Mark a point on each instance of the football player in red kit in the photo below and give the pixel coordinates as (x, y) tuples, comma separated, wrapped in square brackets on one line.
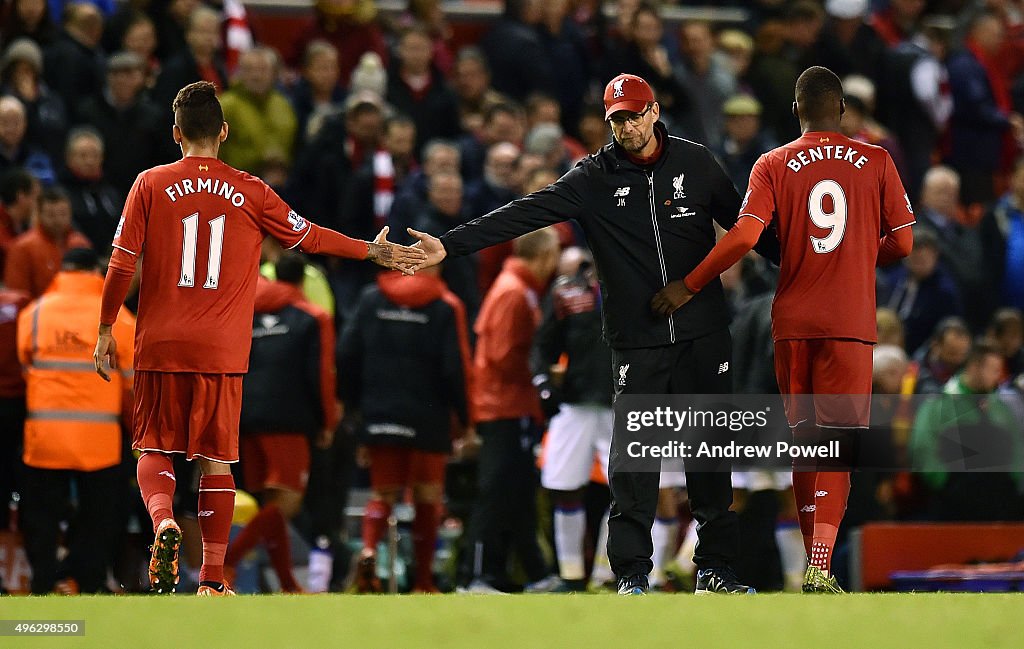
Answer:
[(196, 227), (830, 198)]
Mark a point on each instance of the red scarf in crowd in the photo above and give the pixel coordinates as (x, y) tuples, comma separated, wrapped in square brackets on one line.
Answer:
[(383, 188)]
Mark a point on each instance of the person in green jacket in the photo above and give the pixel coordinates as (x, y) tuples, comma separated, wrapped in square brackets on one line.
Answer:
[(969, 415), (263, 123)]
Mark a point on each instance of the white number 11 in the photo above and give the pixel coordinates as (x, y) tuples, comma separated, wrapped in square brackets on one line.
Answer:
[(188, 251)]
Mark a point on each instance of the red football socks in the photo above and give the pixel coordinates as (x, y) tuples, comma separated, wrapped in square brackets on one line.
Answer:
[(831, 490), (216, 508), (155, 473), (269, 526), (375, 524), (424, 539)]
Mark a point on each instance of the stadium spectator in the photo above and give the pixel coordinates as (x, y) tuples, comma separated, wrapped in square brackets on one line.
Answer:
[(943, 357), (542, 109), (496, 187), (367, 204), (134, 129), (288, 400), (201, 60), (960, 245), (317, 95), (263, 124), (897, 22), (547, 141), (969, 412), (73, 429), (921, 292), (444, 210), (707, 76), (95, 204), (21, 75), (439, 156), (564, 44), (916, 102), (592, 129), (744, 141), (515, 52), (508, 419), (416, 88), (1006, 333), (28, 18), (348, 25), (431, 15), (15, 149), (324, 168), (1002, 238), (502, 123), (34, 258), (74, 60), (771, 77), (19, 199), (471, 81), (406, 411), (847, 44), (139, 37), (983, 126), (576, 397)]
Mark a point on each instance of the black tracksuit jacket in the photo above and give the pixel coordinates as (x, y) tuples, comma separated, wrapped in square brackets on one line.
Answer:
[(647, 226)]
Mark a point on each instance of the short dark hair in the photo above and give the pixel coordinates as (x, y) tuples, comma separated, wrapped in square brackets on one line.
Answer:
[(290, 268), (53, 194), (80, 259), (818, 91), (197, 111), (15, 181), (950, 324), (979, 350), (1005, 319)]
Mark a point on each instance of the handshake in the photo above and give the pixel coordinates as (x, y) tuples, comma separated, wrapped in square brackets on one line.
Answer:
[(427, 251)]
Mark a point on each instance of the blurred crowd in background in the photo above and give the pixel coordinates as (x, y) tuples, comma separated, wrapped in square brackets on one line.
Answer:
[(362, 118)]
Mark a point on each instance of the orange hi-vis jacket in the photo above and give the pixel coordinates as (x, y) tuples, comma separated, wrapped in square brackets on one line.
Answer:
[(74, 416)]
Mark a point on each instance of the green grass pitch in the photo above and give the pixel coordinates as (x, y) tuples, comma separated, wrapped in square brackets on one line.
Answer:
[(531, 621)]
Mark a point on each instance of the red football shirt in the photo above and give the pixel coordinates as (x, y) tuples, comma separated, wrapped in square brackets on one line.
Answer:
[(832, 198), (197, 225)]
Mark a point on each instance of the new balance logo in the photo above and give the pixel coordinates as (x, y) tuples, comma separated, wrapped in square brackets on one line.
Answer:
[(168, 474), (808, 509), (820, 494), (621, 191), (723, 368), (205, 512)]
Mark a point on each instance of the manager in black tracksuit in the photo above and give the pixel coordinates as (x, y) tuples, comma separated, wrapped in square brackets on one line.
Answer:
[(646, 203)]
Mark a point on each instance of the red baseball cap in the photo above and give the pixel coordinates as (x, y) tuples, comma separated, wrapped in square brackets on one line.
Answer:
[(626, 92)]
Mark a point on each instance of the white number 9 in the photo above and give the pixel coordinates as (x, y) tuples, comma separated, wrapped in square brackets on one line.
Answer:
[(834, 221)]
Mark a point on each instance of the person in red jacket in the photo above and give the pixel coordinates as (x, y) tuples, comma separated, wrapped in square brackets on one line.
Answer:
[(34, 257), (508, 416)]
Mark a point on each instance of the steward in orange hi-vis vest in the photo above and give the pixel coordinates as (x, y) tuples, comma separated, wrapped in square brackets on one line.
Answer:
[(73, 421)]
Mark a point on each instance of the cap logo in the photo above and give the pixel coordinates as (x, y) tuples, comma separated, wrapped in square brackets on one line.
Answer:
[(617, 86)]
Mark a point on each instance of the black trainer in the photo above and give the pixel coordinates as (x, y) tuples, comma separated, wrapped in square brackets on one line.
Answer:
[(634, 585), (720, 580)]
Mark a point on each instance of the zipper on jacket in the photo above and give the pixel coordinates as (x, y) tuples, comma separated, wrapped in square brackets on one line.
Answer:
[(661, 254)]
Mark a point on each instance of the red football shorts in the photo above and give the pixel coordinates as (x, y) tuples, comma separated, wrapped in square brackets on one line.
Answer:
[(275, 460), (187, 412), (836, 372), (400, 466)]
